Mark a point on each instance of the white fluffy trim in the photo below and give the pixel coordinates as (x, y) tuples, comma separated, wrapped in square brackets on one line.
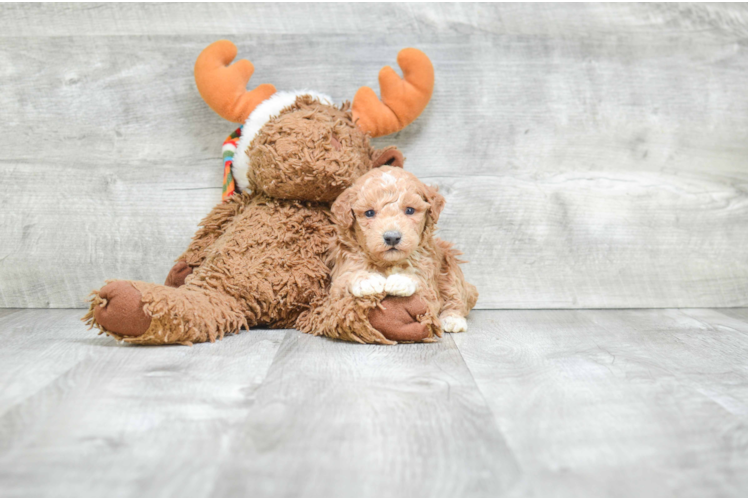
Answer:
[(267, 109)]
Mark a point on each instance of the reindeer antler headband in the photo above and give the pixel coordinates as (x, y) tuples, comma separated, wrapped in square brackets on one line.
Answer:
[(223, 88)]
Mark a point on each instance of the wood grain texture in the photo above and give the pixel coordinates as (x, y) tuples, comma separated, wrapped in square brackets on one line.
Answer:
[(546, 403), (347, 420), (593, 155), (8, 312), (580, 19), (87, 417), (81, 415), (617, 403)]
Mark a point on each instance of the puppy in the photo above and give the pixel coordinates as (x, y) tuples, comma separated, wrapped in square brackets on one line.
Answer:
[(385, 223)]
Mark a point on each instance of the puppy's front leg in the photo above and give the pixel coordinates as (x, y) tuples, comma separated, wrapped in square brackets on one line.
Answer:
[(400, 285), (367, 284)]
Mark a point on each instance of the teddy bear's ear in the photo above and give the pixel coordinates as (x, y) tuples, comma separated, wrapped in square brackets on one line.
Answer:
[(342, 209), (436, 200), (388, 156)]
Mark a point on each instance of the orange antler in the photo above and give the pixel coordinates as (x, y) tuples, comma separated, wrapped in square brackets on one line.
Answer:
[(402, 99), (224, 87)]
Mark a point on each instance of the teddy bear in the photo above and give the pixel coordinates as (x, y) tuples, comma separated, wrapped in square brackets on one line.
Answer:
[(259, 257)]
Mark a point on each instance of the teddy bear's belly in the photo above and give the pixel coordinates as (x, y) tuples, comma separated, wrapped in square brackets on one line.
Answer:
[(271, 258)]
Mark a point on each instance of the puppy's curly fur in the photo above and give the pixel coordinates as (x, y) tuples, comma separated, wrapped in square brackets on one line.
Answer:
[(385, 244)]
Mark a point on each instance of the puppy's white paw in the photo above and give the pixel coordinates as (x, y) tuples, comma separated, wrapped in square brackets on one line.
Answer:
[(453, 324), (371, 285), (400, 285)]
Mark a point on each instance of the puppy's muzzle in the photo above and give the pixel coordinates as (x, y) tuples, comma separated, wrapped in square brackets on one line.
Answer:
[(392, 238)]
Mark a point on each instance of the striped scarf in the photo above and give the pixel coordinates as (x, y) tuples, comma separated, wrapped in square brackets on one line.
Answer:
[(229, 149)]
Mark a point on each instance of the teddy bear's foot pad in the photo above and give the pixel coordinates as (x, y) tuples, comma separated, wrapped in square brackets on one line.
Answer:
[(397, 319), (121, 311)]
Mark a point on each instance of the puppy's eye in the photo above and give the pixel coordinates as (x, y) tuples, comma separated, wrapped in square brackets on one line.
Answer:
[(410, 211), (369, 213)]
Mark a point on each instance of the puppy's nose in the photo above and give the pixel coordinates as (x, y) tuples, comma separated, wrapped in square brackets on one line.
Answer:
[(392, 238)]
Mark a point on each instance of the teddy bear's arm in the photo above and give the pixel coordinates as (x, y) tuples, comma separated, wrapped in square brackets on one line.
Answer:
[(340, 315), (212, 227), (368, 318)]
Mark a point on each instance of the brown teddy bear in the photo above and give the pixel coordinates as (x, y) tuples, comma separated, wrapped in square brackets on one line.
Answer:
[(259, 258)]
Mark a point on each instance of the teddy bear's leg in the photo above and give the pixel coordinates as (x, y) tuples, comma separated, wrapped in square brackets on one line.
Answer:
[(118, 307), (144, 313), (371, 319), (211, 228)]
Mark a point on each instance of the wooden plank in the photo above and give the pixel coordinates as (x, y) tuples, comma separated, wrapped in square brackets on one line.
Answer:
[(740, 314), (599, 240), (8, 312), (38, 348), (565, 403), (81, 415), (340, 419), (592, 155), (111, 195), (617, 403), (568, 20), (328, 418)]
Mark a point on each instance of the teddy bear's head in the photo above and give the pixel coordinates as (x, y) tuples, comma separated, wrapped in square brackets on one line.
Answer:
[(298, 145), (310, 151)]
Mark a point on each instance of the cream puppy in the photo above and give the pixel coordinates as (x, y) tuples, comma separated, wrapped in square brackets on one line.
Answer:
[(385, 223)]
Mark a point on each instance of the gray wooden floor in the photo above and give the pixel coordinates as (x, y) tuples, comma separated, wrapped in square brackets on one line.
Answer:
[(544, 402)]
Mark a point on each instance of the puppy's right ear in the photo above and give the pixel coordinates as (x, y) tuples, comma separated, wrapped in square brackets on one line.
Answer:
[(342, 209)]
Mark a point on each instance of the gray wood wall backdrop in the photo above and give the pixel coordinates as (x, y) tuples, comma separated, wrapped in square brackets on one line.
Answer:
[(591, 155)]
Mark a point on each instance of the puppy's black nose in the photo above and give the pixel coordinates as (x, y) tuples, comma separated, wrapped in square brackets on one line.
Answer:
[(392, 238)]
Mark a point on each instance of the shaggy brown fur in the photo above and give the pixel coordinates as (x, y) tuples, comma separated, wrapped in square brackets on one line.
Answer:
[(390, 201), (310, 154), (259, 259)]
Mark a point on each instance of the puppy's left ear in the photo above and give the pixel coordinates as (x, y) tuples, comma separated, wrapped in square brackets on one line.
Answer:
[(388, 156), (436, 200), (342, 208)]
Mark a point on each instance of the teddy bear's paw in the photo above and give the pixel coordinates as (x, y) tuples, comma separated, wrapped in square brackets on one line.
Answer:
[(370, 285), (121, 310), (397, 319), (400, 285), (178, 274), (453, 324)]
